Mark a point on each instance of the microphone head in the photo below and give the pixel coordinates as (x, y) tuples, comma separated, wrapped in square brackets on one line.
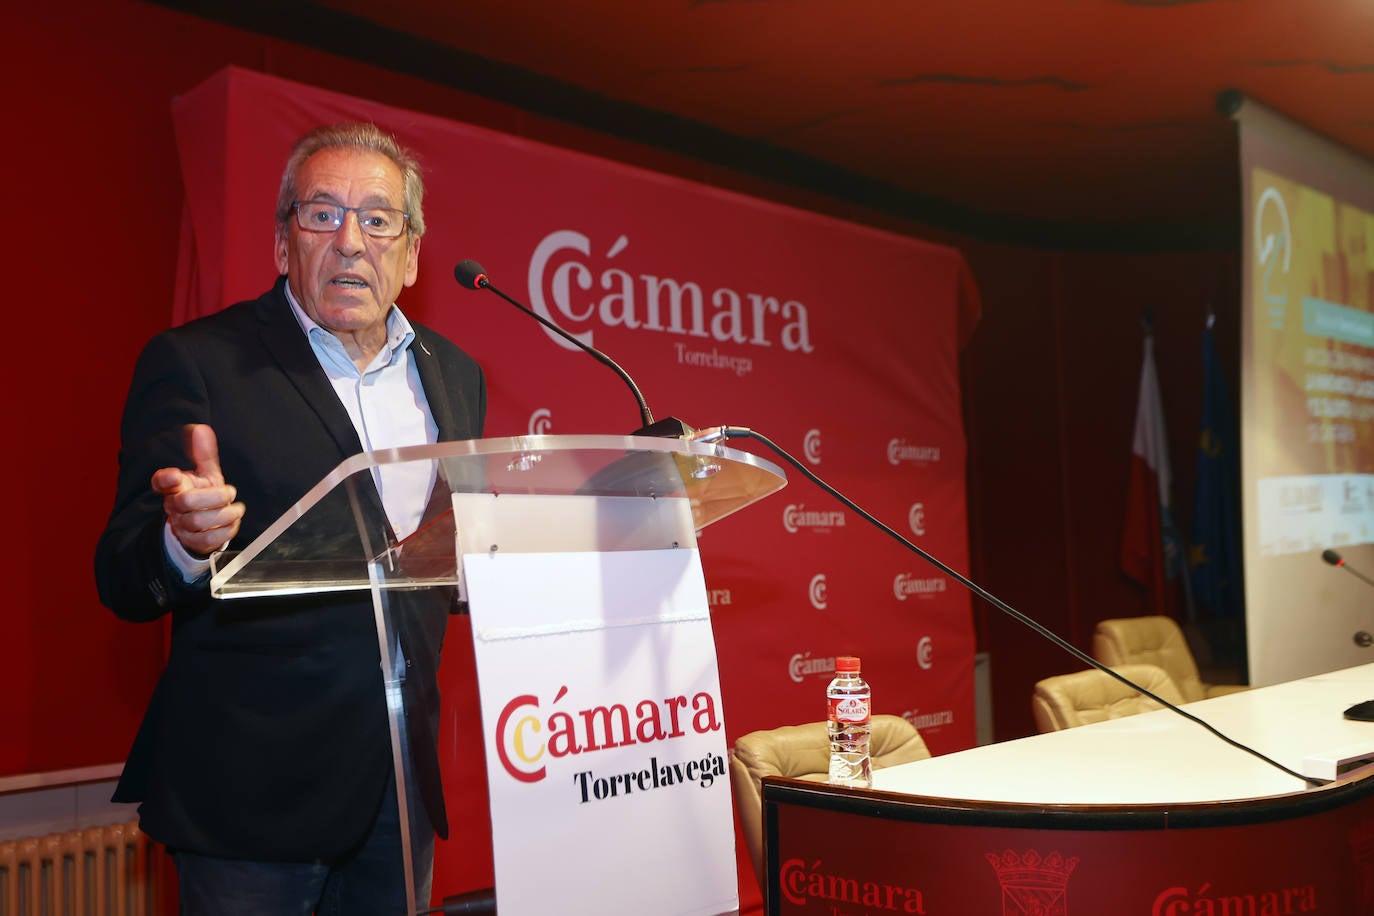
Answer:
[(1332, 557), (470, 274)]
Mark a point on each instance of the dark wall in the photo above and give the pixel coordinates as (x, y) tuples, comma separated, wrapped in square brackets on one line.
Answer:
[(1050, 374), (1050, 385)]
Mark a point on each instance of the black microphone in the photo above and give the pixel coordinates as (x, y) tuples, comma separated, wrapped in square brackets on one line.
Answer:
[(470, 275), (1335, 559), (1360, 712)]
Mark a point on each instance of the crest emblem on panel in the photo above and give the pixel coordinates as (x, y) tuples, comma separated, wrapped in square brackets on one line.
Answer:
[(1032, 884)]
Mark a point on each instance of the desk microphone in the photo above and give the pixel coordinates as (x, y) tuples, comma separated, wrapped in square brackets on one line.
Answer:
[(470, 275), (1335, 559), (1360, 712)]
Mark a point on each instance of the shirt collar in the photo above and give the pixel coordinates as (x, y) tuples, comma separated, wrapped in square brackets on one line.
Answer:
[(399, 332)]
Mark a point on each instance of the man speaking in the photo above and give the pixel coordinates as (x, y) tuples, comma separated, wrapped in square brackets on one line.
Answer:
[(264, 759)]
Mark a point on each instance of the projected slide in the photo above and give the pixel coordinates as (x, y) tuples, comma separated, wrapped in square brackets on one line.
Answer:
[(1307, 399), (1312, 367)]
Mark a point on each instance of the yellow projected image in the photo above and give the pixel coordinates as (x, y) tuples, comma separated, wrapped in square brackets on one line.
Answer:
[(1314, 328), (1312, 315)]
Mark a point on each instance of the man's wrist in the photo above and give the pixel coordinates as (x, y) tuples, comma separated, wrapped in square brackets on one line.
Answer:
[(192, 566)]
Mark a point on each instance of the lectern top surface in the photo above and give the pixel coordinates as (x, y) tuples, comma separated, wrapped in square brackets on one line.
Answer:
[(327, 540)]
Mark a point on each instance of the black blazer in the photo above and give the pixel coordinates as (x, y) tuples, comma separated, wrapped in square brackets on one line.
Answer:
[(266, 737)]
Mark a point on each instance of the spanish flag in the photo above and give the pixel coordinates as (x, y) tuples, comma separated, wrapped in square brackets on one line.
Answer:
[(1150, 551)]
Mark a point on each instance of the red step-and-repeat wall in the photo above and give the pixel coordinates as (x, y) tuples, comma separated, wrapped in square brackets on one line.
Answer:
[(838, 342)]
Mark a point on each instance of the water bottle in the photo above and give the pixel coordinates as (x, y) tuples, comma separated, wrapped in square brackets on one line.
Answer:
[(850, 702)]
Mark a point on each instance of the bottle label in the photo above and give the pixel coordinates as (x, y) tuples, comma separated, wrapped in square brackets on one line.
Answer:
[(849, 709)]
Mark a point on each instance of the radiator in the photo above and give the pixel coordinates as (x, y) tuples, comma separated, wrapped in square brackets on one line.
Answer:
[(98, 871)]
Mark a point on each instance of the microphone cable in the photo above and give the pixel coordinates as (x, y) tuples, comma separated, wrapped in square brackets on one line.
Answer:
[(715, 434)]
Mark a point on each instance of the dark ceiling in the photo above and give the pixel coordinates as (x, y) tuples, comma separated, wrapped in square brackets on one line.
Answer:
[(1058, 122)]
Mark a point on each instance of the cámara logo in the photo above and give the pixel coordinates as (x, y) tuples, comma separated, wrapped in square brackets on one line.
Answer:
[(800, 665), (925, 653), (811, 446), (541, 421), (929, 721), (906, 585), (525, 734), (916, 518), (569, 291), (1287, 901), (796, 517), (801, 884), (898, 451), (816, 591)]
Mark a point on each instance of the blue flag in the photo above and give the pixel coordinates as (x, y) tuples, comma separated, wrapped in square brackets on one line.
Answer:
[(1214, 552)]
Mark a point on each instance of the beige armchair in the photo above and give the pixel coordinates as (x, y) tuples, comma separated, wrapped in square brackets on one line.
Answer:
[(1155, 640), (1084, 697), (803, 752)]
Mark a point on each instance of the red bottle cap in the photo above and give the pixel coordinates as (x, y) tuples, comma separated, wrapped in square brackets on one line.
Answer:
[(847, 664)]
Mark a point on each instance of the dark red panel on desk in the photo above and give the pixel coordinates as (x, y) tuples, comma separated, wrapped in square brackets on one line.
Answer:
[(843, 852)]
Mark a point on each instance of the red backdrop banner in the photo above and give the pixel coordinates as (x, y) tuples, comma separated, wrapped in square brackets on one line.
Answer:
[(838, 342)]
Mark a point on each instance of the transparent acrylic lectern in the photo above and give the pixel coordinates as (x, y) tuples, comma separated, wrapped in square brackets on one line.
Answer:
[(536, 494)]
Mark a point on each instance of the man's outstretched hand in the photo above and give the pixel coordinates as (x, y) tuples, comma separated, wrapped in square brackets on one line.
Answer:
[(199, 505)]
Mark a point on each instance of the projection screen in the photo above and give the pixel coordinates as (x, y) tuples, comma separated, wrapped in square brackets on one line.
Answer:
[(1307, 396)]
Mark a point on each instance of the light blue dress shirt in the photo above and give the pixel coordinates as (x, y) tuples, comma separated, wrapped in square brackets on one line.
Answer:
[(387, 405)]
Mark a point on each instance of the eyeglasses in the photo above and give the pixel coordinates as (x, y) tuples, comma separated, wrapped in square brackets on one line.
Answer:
[(322, 216)]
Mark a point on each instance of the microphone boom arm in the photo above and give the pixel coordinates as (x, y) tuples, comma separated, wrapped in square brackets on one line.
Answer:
[(470, 274)]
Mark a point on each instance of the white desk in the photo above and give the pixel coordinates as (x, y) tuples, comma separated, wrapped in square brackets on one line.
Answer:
[(1157, 757), (1149, 814)]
